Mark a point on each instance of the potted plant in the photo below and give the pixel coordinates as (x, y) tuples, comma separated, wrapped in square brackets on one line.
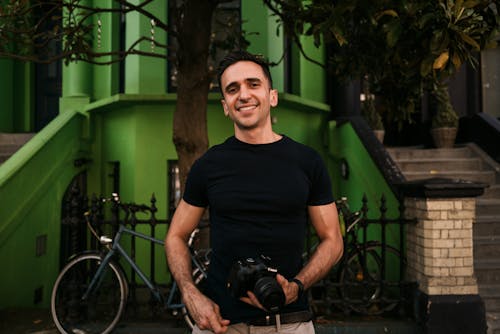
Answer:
[(456, 30), (403, 47), (444, 125), (370, 113)]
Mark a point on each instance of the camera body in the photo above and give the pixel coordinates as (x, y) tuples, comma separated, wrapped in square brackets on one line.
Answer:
[(256, 276)]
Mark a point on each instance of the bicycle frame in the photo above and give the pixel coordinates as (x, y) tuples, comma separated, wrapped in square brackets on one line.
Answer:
[(117, 248)]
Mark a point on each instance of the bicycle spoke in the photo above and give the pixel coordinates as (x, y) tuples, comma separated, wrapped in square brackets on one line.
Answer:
[(99, 311)]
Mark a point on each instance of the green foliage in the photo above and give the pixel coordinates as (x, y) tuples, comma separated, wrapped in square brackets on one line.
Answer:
[(369, 109), (445, 116), (371, 114), (403, 46)]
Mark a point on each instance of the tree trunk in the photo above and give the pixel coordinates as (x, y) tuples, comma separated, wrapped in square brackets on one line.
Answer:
[(190, 135)]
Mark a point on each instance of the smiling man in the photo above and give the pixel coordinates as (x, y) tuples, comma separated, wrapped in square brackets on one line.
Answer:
[(260, 187)]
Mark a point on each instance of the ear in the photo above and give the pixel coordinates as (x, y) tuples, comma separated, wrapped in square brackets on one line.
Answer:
[(225, 107), (273, 97)]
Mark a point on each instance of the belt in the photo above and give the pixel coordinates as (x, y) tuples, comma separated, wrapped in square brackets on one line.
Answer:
[(285, 318)]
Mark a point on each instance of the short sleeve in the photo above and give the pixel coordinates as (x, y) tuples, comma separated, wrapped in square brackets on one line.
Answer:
[(321, 186), (195, 192)]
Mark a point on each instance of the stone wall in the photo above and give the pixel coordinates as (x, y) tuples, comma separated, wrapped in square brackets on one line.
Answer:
[(439, 245)]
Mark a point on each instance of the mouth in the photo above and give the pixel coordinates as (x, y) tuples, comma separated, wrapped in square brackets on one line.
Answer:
[(246, 108)]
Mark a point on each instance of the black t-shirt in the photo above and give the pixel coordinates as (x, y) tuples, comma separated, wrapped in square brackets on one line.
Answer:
[(258, 196)]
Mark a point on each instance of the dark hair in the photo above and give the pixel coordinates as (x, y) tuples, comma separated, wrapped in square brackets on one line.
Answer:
[(242, 55)]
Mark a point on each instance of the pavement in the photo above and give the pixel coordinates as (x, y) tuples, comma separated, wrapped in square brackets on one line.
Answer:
[(39, 321)]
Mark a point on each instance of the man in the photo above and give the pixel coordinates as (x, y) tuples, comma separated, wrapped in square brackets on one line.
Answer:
[(260, 188)]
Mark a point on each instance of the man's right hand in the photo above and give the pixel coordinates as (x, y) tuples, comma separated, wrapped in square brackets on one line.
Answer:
[(205, 312)]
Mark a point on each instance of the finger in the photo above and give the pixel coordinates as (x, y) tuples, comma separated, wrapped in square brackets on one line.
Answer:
[(288, 289), (222, 321), (254, 301), (216, 326), (281, 280)]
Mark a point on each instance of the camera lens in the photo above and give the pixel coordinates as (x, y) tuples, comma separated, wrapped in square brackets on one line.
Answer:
[(269, 293)]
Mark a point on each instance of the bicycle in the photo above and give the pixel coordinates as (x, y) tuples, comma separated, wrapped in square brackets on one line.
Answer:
[(90, 293), (358, 281)]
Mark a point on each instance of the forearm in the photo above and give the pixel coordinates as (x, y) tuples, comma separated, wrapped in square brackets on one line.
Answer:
[(179, 263), (326, 255)]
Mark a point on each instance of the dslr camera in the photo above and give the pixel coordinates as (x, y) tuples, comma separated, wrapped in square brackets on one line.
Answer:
[(256, 276)]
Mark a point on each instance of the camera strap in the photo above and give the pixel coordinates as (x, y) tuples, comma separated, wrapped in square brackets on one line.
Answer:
[(278, 322)]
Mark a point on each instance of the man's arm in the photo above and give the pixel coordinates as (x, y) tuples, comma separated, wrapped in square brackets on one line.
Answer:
[(204, 311), (325, 221)]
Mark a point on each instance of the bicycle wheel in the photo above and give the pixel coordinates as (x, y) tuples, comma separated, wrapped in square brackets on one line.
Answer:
[(101, 309), (361, 288)]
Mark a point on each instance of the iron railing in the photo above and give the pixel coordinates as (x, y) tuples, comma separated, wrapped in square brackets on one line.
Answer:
[(369, 279)]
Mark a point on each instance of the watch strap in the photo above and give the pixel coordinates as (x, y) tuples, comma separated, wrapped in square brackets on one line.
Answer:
[(299, 284)]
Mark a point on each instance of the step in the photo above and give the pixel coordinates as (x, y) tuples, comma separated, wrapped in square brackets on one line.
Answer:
[(427, 165), (15, 138), (488, 207), (4, 157), (486, 225), (487, 177), (413, 153), (487, 247), (11, 142), (490, 294), (493, 191), (487, 271), (493, 322)]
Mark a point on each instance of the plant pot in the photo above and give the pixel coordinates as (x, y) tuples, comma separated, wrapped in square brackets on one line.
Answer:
[(379, 134), (444, 137)]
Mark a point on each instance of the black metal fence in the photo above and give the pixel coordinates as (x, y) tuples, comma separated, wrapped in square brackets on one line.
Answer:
[(369, 279)]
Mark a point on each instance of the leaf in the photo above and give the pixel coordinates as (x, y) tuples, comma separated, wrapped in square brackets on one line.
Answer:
[(439, 41), (339, 36), (441, 61), (471, 3), (389, 12), (458, 8), (393, 33), (457, 62), (469, 40), (426, 66)]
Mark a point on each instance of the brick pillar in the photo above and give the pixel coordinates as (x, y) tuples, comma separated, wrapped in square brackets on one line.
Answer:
[(440, 255), (439, 245)]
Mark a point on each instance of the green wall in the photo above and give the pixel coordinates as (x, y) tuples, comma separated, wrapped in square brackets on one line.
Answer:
[(32, 184), (136, 130), (363, 178)]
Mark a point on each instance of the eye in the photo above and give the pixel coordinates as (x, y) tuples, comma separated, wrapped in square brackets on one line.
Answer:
[(231, 90), (254, 84)]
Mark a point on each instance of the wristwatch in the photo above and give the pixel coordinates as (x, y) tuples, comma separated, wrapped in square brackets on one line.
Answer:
[(300, 285)]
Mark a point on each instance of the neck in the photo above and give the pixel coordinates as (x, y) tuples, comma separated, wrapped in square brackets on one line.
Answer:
[(257, 136)]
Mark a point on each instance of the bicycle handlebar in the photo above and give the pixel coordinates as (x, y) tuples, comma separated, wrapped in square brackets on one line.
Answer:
[(350, 218)]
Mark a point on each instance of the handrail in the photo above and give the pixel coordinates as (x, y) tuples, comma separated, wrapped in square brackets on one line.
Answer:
[(35, 144), (387, 167)]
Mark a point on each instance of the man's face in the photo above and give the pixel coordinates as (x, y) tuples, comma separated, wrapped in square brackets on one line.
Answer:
[(247, 96)]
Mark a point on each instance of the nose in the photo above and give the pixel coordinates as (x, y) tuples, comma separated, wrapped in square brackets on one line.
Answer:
[(244, 93)]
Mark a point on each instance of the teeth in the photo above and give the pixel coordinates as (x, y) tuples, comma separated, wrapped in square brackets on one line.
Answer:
[(246, 108)]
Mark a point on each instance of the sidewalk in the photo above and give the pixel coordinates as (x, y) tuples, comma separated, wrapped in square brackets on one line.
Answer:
[(39, 321)]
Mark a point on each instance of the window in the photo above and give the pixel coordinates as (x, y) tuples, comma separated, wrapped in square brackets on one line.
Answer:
[(226, 33)]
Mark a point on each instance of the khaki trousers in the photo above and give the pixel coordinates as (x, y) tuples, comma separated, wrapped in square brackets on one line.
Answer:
[(295, 328)]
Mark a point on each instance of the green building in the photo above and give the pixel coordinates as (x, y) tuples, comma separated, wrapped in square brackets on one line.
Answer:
[(90, 123)]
